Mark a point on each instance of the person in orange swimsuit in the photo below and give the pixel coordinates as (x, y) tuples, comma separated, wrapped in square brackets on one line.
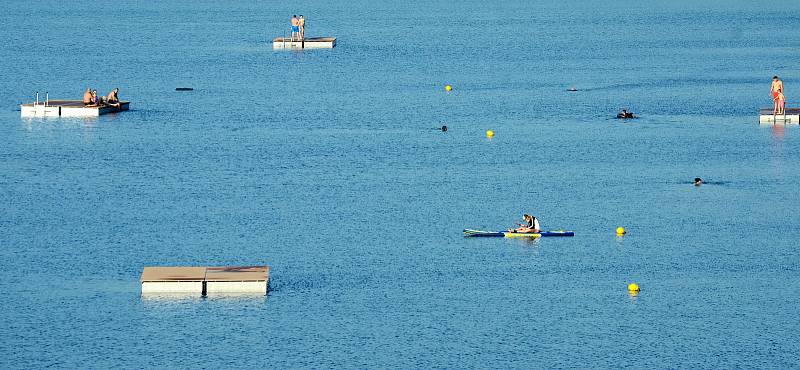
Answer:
[(775, 90)]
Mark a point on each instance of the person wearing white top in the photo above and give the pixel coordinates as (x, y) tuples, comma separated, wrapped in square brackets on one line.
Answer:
[(531, 225)]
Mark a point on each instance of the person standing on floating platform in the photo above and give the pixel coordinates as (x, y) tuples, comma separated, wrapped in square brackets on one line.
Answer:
[(775, 90), (531, 225), (301, 24), (295, 27), (781, 103)]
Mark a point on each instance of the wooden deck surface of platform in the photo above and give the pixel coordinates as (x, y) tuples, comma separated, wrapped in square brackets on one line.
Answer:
[(789, 111), (226, 273), (308, 39), (243, 273), (71, 104), (173, 274)]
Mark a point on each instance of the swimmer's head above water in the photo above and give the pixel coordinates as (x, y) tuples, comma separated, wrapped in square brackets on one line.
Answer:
[(698, 181)]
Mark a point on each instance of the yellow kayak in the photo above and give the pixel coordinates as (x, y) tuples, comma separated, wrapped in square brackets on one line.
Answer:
[(521, 235)]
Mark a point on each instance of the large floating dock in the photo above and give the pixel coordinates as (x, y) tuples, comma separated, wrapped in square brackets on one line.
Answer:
[(307, 43), (790, 116), (203, 281), (70, 108)]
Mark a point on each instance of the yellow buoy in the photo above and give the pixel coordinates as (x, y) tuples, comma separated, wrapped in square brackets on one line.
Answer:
[(620, 231), (633, 288), (489, 133), (448, 88)]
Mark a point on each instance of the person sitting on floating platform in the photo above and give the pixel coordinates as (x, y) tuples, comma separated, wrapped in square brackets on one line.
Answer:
[(624, 114), (112, 98), (87, 97), (95, 101), (531, 225), (99, 100)]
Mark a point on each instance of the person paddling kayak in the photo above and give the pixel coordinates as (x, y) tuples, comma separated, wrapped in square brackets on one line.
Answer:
[(531, 225)]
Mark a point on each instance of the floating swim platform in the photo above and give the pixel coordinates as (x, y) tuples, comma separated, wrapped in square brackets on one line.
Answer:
[(790, 116), (69, 108), (307, 43), (203, 281), (506, 234)]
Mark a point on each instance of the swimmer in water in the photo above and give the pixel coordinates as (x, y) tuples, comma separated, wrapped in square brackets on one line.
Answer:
[(698, 181), (531, 225)]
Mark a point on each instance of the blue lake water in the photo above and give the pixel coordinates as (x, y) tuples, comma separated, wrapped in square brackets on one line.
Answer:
[(325, 165)]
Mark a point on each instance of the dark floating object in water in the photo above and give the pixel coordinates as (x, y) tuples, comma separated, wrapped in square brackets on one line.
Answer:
[(625, 114), (184, 89), (573, 88), (444, 129), (698, 181)]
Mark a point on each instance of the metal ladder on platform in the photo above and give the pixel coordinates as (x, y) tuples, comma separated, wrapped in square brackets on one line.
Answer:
[(783, 119)]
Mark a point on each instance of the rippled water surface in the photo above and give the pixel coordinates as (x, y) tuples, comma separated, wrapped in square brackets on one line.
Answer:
[(326, 166)]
